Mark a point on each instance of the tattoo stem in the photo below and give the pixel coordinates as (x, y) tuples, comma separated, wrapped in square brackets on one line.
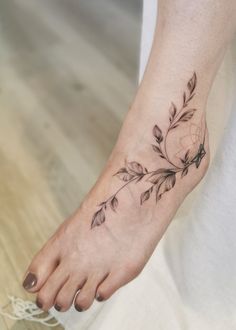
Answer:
[(117, 192)]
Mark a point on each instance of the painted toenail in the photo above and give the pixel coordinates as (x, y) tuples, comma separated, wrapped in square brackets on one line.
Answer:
[(39, 304), (30, 281), (98, 297), (78, 308), (57, 307)]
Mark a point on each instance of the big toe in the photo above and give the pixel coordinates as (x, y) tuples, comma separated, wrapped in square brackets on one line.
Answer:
[(42, 265)]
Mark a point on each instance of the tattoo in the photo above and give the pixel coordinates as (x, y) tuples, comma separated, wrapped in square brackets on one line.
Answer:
[(162, 179)]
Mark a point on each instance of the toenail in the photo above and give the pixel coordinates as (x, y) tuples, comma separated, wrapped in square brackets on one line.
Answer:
[(98, 297), (39, 304), (30, 281), (78, 308), (57, 307)]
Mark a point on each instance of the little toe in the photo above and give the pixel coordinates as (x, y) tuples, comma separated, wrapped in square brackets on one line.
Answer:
[(67, 293), (86, 296), (47, 294), (39, 270)]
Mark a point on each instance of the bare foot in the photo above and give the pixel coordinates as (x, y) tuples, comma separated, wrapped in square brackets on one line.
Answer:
[(159, 158)]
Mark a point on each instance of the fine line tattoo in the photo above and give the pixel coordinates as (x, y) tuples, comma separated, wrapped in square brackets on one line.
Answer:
[(162, 179)]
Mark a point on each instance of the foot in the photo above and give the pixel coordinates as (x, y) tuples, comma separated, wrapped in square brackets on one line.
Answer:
[(158, 159)]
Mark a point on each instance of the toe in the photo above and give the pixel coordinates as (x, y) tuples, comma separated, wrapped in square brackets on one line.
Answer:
[(41, 267), (67, 293), (86, 296), (47, 294), (110, 285)]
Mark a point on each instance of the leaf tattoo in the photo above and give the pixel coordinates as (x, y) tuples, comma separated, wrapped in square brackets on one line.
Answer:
[(114, 203), (98, 218), (192, 83), (191, 87), (145, 195), (157, 134), (124, 175), (135, 168), (187, 115), (172, 111), (161, 180)]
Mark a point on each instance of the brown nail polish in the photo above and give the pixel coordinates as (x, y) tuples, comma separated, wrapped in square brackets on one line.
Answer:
[(57, 307), (39, 304), (99, 298), (30, 281), (78, 308)]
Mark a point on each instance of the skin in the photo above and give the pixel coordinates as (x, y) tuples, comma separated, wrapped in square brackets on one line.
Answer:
[(191, 36)]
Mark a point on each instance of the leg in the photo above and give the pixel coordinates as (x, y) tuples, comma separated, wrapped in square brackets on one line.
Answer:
[(161, 154)]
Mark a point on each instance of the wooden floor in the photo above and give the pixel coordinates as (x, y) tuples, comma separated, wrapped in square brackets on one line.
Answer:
[(68, 72)]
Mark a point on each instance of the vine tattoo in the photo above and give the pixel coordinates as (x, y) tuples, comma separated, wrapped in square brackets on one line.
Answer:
[(162, 179)]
